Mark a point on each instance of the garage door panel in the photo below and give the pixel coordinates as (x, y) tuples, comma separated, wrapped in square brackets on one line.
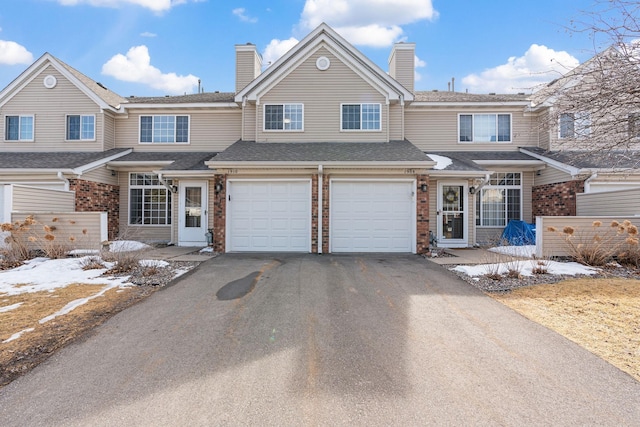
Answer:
[(372, 216), (279, 214)]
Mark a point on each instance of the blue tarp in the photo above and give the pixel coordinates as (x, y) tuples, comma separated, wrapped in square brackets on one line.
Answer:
[(519, 233)]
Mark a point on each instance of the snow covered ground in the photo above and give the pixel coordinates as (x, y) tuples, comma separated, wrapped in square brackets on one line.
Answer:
[(524, 265)]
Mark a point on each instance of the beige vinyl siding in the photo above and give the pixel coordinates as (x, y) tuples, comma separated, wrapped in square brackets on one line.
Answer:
[(75, 230), (102, 175), (621, 202), (47, 179), (551, 243), (551, 175), (33, 199), (396, 122), (109, 131), (322, 93), (143, 233), (247, 66), (209, 130), (50, 108), (402, 66), (436, 129), (249, 124), (543, 132)]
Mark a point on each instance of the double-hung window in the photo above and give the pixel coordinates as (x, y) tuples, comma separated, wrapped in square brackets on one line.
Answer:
[(18, 128), (360, 117), (164, 129), (81, 128), (574, 125), (288, 117), (484, 128), (149, 200), (500, 200)]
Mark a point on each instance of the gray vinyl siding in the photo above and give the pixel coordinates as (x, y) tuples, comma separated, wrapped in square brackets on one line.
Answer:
[(621, 202), (211, 130), (436, 129), (50, 108), (322, 93), (551, 175), (143, 233), (32, 199)]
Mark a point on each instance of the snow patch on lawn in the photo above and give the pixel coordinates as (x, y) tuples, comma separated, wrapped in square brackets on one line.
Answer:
[(526, 267), (527, 251), (127, 246), (75, 304), (153, 263), (10, 307), (17, 335)]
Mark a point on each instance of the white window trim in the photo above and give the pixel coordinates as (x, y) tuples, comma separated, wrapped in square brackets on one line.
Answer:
[(264, 114), (505, 187), (20, 116), (66, 130), (510, 141), (175, 130), (143, 187), (361, 104)]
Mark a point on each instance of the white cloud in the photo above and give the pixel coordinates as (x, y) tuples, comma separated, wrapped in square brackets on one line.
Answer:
[(276, 48), (376, 23), (154, 5), (240, 12), (419, 63), (11, 53), (136, 67), (148, 34), (537, 66)]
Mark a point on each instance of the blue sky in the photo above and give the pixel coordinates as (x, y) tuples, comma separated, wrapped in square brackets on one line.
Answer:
[(159, 47)]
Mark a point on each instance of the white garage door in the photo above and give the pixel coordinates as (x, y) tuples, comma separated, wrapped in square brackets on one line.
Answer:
[(269, 216), (372, 216)]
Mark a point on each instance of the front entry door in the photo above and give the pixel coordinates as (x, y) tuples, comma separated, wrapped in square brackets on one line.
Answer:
[(192, 214), (452, 214)]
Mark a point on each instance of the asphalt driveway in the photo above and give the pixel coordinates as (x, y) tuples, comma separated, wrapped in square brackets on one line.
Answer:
[(321, 340)]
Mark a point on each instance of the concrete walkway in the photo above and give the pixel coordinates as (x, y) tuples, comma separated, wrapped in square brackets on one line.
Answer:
[(177, 253), (467, 256), (331, 340)]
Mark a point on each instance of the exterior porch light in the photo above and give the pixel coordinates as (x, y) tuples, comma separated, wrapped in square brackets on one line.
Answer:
[(472, 190), (424, 188), (217, 188)]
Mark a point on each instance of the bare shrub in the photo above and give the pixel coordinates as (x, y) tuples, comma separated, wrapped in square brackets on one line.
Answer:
[(126, 257), (92, 263), (595, 246), (540, 266)]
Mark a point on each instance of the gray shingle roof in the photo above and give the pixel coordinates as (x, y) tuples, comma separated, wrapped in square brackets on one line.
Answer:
[(108, 96), (180, 161), (608, 159), (53, 160), (437, 96), (248, 151), (207, 97)]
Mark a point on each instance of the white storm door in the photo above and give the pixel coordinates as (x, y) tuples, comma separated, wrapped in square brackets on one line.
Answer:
[(452, 219), (269, 216), (372, 216), (192, 213)]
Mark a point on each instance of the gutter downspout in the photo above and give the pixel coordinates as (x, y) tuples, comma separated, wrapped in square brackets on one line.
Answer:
[(320, 180), (587, 183), (63, 179), (168, 187)]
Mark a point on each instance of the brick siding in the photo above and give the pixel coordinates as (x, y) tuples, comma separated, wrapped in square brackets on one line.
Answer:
[(556, 199), (219, 214), (422, 215), (98, 197)]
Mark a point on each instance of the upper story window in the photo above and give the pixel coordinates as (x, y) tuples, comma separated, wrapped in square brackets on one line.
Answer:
[(18, 128), (164, 129), (284, 117), (360, 117), (484, 127), (574, 125), (81, 128)]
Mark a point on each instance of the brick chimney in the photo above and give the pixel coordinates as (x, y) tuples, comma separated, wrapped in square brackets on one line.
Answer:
[(248, 65), (402, 64)]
